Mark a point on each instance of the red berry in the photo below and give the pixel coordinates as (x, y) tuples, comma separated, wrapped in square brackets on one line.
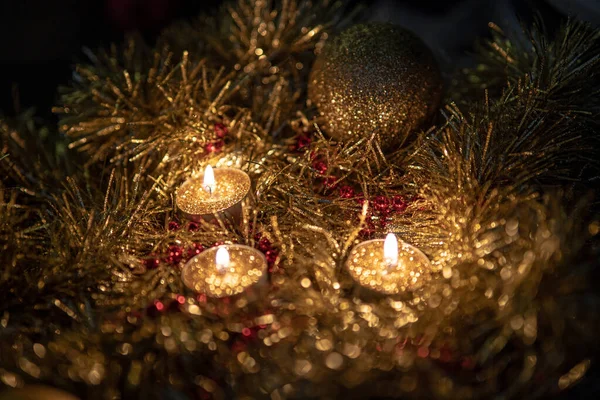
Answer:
[(155, 308), (174, 254), (214, 147), (271, 256), (196, 249), (221, 130), (264, 244), (423, 351), (152, 263), (173, 226), (302, 142), (399, 203), (369, 229), (381, 203), (346, 192), (320, 167)]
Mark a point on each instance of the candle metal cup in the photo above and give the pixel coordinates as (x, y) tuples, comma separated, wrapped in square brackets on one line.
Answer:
[(368, 266), (231, 187), (245, 273)]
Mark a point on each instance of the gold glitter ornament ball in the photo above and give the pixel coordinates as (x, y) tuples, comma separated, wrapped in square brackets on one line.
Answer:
[(375, 77)]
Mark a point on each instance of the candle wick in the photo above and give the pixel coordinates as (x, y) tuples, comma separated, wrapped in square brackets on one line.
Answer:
[(209, 189), (391, 263)]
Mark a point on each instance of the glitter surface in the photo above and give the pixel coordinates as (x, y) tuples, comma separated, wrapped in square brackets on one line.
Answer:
[(232, 185), (367, 266), (247, 267), (375, 78)]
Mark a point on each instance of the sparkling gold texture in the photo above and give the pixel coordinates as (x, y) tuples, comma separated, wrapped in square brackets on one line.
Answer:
[(232, 185), (375, 78), (368, 266), (247, 267), (92, 295)]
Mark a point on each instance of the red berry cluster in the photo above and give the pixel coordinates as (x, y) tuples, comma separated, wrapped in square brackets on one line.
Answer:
[(194, 250), (385, 206), (216, 145), (382, 207), (319, 165), (175, 253), (271, 253), (301, 144), (346, 192)]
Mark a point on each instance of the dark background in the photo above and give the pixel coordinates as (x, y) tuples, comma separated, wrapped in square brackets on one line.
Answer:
[(41, 39)]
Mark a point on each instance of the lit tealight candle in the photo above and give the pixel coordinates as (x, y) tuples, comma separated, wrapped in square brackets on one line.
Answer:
[(216, 191), (385, 267), (225, 271)]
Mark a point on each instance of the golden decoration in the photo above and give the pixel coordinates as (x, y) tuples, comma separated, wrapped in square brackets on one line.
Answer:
[(514, 259), (247, 267), (375, 78), (367, 265), (232, 185)]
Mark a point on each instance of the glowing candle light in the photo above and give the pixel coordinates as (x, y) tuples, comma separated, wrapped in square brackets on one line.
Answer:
[(222, 259), (216, 191), (387, 267), (226, 270), (390, 250), (209, 180)]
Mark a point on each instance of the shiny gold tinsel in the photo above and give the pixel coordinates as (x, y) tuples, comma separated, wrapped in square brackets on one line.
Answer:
[(91, 295), (159, 114), (270, 43), (375, 78)]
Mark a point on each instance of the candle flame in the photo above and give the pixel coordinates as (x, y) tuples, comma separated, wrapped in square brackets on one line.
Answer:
[(222, 259), (209, 180), (390, 250)]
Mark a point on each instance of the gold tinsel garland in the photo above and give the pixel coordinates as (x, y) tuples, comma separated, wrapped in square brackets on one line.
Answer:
[(85, 306)]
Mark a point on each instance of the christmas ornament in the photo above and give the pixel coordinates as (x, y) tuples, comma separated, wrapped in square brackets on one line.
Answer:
[(375, 78)]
